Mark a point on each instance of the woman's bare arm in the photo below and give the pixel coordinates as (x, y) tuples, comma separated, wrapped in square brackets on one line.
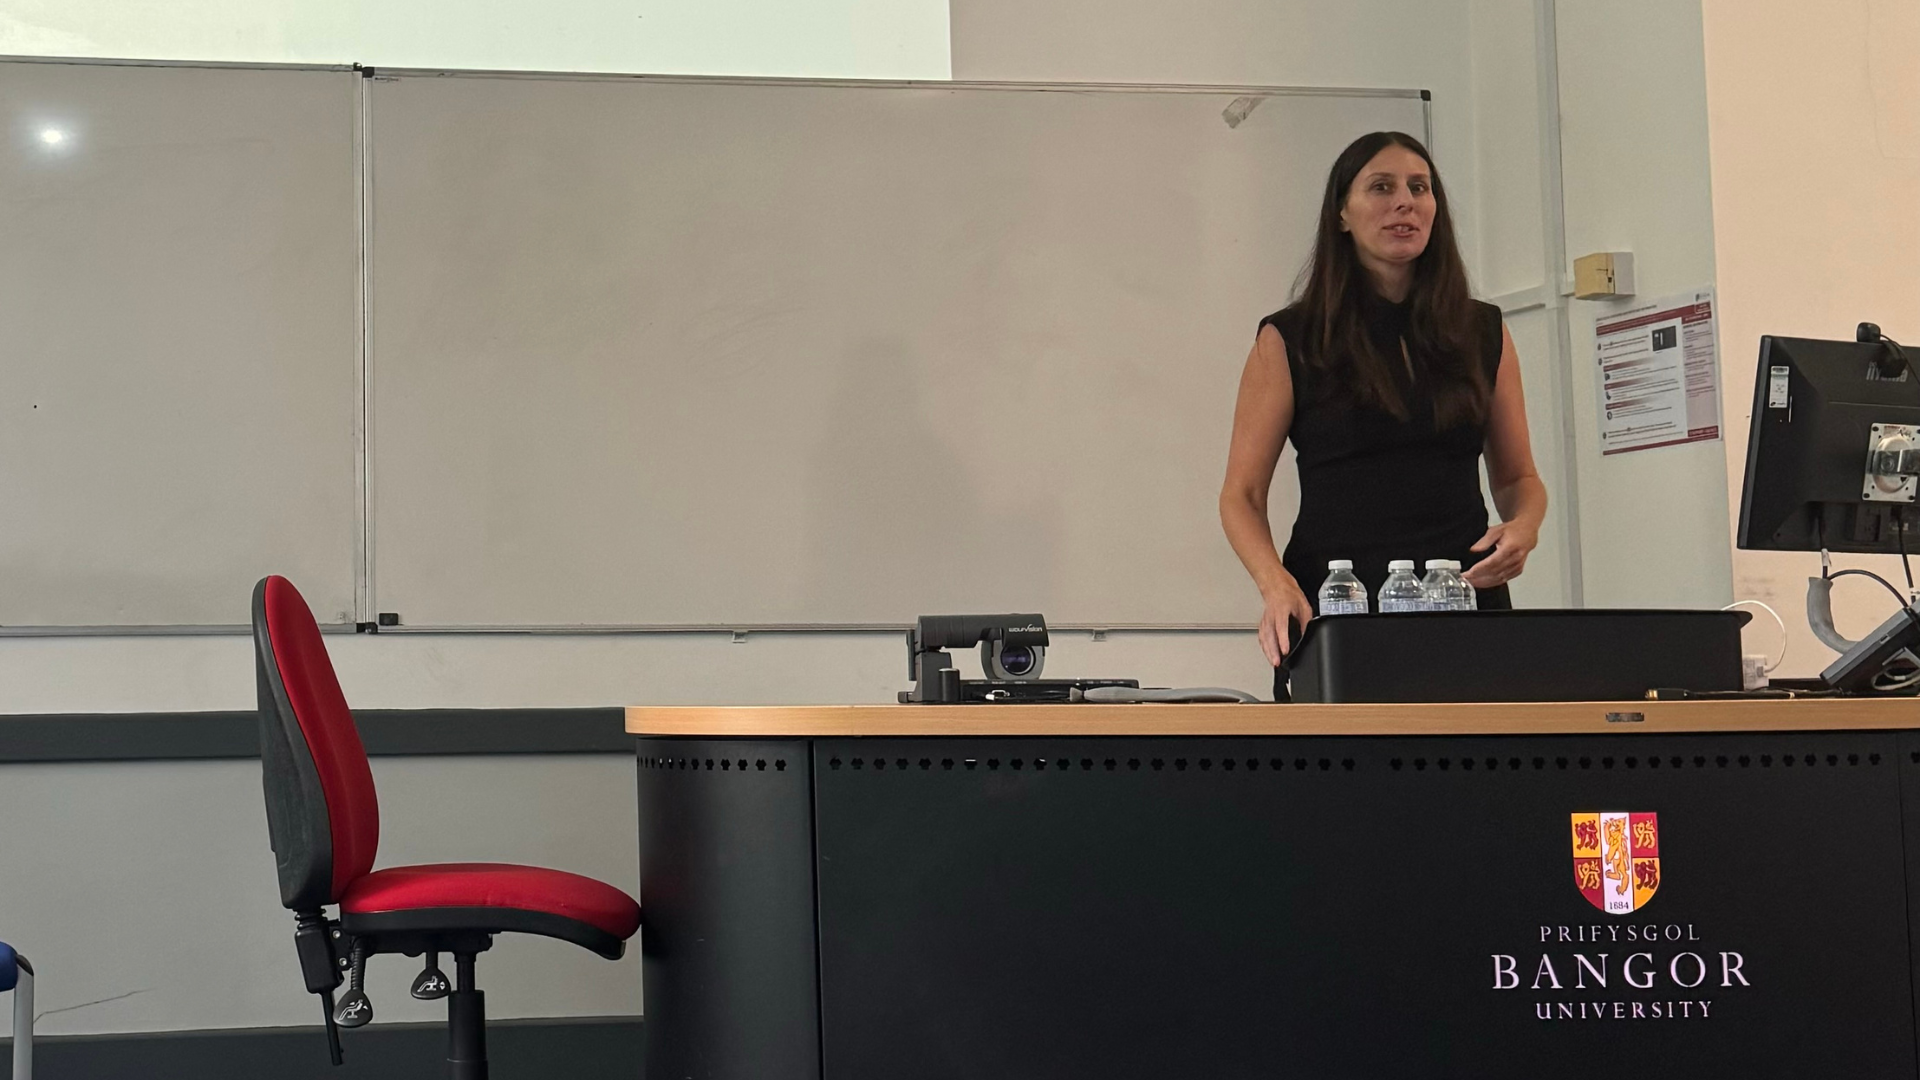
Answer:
[(1518, 493), (1262, 417)]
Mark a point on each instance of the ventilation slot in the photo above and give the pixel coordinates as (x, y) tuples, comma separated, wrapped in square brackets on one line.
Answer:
[(724, 765), (1085, 765)]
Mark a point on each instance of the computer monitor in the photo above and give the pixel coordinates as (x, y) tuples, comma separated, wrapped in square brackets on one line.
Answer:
[(1832, 459), (1824, 453)]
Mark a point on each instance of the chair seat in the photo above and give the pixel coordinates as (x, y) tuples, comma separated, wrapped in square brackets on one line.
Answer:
[(479, 889)]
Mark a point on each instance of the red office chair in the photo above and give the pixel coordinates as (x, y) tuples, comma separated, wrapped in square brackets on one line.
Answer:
[(325, 824)]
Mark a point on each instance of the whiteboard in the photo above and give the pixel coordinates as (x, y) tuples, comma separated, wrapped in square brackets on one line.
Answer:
[(179, 262), (665, 352)]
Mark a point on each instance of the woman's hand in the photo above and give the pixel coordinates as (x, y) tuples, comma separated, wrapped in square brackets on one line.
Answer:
[(1512, 542), (1285, 602)]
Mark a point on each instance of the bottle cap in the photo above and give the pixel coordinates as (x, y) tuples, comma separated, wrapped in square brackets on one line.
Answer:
[(1340, 564), (1437, 564), (1398, 565), (1453, 564)]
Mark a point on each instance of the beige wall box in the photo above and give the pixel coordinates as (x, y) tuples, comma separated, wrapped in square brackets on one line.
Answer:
[(1603, 275)]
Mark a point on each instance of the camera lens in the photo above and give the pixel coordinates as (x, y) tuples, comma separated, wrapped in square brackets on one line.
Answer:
[(1016, 660)]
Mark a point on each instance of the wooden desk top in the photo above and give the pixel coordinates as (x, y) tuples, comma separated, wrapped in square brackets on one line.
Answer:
[(1506, 718)]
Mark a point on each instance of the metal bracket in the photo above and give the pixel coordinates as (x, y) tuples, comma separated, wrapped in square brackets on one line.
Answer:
[(1893, 459), (324, 950)]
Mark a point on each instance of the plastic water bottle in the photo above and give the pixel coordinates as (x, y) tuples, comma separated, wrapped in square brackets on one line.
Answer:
[(1433, 587), (1402, 590), (1343, 593), (1473, 594), (1444, 589)]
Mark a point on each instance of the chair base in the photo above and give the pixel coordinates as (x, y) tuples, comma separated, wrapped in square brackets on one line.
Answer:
[(23, 1023), (466, 1004), (466, 1025)]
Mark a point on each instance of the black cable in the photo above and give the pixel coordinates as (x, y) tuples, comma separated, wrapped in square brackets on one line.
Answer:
[(1870, 574), (1677, 694), (1900, 354), (1905, 364), (1900, 529)]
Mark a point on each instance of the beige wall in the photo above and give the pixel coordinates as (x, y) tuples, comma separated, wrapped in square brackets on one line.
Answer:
[(1815, 138)]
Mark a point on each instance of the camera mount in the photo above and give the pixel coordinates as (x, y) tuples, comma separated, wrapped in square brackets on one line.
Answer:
[(1012, 648)]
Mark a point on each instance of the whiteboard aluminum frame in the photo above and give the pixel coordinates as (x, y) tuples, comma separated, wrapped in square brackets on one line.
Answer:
[(739, 632), (156, 630), (215, 65), (363, 603), (1557, 287), (383, 71)]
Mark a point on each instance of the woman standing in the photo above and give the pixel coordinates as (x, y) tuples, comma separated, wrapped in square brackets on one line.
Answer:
[(1391, 381)]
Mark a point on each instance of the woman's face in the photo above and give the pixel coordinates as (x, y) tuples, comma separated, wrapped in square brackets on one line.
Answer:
[(1390, 207)]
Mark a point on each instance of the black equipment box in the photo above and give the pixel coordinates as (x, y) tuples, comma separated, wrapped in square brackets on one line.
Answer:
[(1031, 691), (1527, 655)]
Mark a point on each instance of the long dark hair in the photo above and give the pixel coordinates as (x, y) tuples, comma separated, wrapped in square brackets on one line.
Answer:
[(1334, 289)]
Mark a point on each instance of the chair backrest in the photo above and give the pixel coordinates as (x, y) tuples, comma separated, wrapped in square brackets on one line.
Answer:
[(9, 968), (322, 814)]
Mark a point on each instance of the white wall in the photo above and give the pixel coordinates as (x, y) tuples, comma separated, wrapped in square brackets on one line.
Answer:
[(1816, 157), (875, 39), (1637, 177), (1506, 111), (149, 890)]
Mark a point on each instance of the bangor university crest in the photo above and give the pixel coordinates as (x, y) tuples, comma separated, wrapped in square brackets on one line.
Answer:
[(1616, 860)]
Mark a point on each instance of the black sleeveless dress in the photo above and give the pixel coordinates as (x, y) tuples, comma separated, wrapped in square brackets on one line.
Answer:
[(1373, 487)]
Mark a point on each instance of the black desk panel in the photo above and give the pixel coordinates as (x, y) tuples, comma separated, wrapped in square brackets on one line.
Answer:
[(728, 966), (1328, 908)]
